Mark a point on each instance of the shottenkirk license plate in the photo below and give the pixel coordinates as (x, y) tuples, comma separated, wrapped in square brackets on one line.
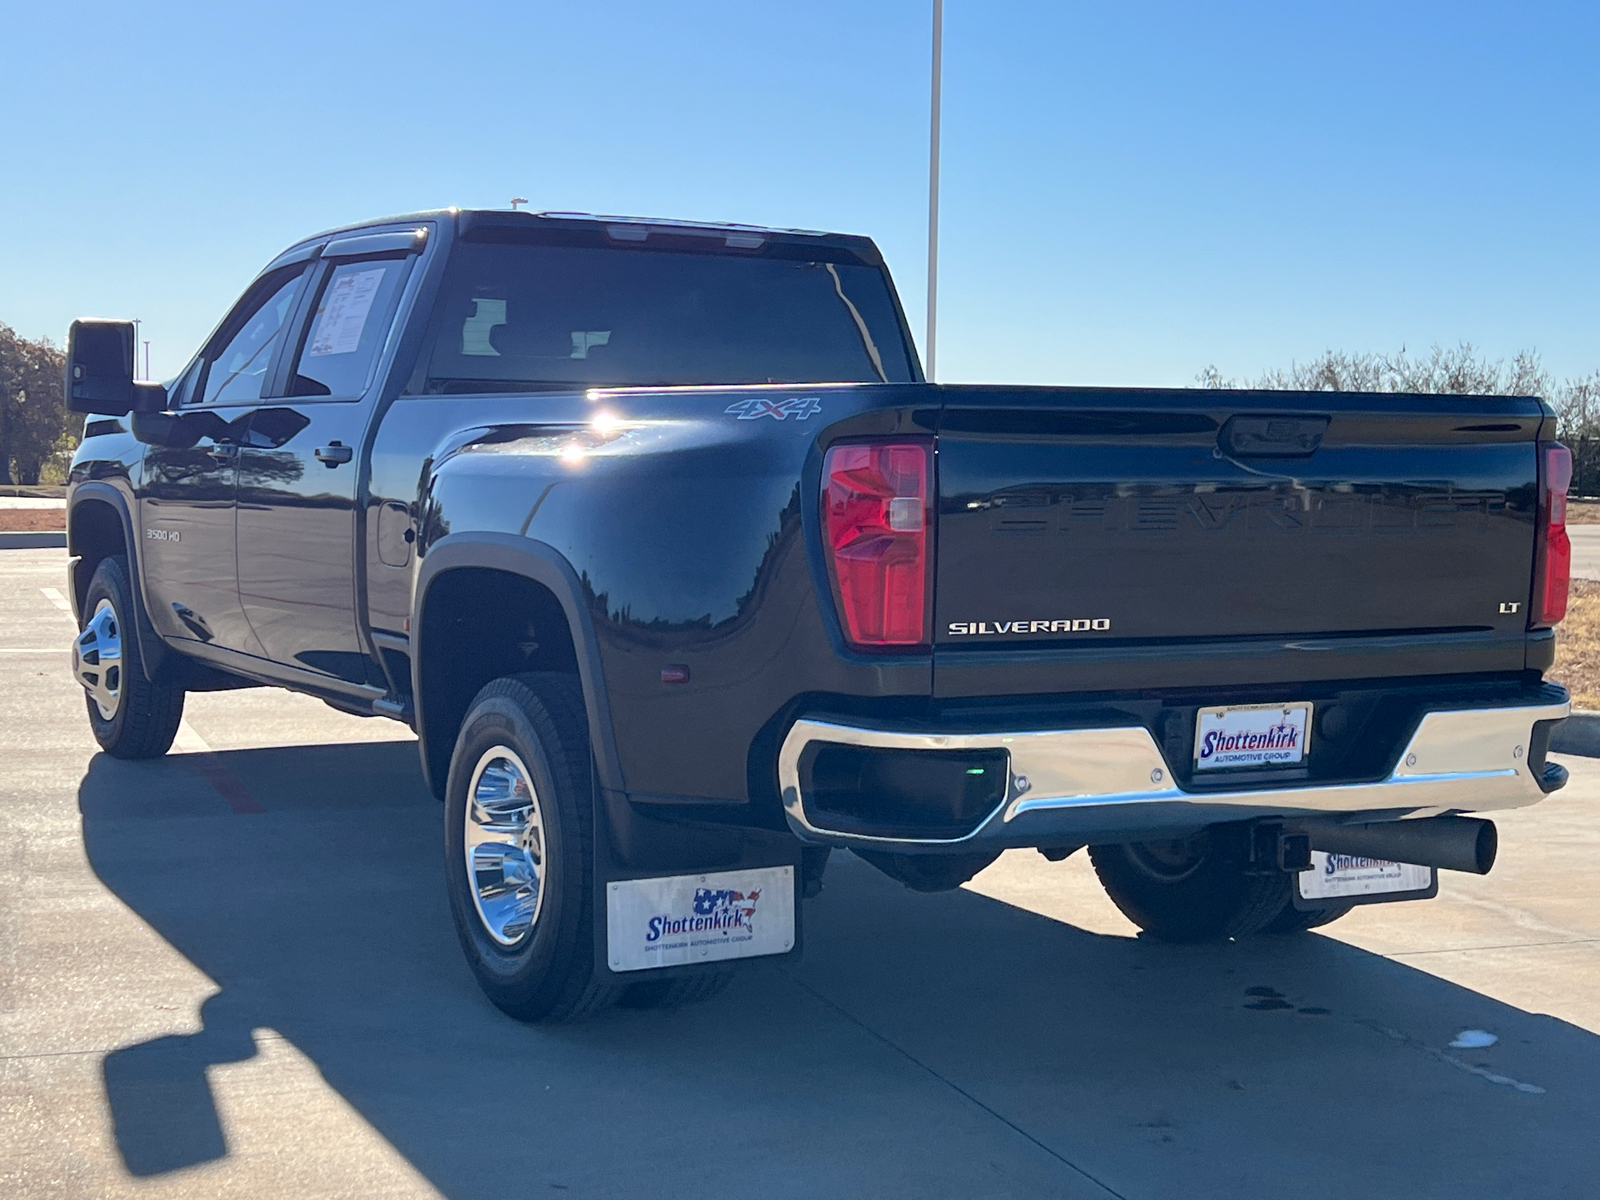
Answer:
[(1252, 735)]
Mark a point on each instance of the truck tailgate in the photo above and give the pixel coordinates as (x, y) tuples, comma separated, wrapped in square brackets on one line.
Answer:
[(1084, 521)]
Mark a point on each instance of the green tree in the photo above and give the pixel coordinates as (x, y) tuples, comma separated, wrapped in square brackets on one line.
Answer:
[(35, 424)]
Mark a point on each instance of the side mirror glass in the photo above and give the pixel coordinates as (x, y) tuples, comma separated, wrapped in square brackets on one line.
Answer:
[(100, 367)]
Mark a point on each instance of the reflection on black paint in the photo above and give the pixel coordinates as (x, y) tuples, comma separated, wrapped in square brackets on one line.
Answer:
[(274, 427), (183, 468), (268, 469)]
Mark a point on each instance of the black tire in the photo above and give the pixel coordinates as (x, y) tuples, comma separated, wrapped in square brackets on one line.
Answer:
[(675, 993), (1196, 890), (548, 973), (1298, 920), (145, 715)]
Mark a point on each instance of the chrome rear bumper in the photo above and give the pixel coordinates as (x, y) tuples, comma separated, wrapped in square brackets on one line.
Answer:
[(1114, 784)]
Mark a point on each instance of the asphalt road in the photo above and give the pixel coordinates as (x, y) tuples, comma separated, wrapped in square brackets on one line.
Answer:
[(232, 973)]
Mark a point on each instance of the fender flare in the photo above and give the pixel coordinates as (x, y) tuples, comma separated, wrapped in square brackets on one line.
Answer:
[(543, 564), (152, 650)]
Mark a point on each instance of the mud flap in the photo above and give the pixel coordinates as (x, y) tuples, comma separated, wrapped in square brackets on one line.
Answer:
[(676, 895), (1344, 879)]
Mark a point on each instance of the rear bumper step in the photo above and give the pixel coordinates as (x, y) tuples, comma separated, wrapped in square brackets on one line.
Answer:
[(1095, 785)]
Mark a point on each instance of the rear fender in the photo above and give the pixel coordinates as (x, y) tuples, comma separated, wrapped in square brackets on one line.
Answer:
[(536, 561)]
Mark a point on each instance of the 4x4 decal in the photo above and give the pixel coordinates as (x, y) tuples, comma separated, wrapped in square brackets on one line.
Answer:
[(798, 407)]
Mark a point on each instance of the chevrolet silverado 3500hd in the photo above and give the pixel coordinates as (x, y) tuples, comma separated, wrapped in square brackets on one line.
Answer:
[(685, 577)]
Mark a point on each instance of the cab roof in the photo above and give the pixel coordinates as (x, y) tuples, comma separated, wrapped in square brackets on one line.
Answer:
[(489, 224)]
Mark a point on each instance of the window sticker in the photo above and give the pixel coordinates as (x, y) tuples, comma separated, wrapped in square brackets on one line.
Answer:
[(344, 313), (475, 330)]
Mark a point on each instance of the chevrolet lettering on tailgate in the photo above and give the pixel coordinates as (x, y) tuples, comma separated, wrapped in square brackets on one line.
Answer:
[(1060, 625)]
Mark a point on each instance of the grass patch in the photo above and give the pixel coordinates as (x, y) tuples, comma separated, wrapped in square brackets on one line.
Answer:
[(1578, 645), (32, 520), (1583, 510)]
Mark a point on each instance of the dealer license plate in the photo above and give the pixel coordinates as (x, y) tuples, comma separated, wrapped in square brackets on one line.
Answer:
[(1347, 877), (1252, 735)]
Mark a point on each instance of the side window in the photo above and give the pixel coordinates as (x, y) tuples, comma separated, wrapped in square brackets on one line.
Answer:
[(348, 325), (237, 366)]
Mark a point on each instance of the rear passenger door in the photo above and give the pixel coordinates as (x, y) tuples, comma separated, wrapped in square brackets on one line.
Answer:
[(300, 469)]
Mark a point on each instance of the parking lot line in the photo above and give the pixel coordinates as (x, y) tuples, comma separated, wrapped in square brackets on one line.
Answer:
[(215, 771)]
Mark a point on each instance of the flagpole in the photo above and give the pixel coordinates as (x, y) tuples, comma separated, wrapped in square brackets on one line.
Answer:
[(933, 186)]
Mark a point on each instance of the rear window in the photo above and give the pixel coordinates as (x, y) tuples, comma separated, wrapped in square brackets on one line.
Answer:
[(535, 316)]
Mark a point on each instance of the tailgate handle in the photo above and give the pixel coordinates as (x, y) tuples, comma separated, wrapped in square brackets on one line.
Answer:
[(1272, 437)]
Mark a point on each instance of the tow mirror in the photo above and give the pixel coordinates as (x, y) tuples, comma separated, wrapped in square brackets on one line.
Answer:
[(100, 371)]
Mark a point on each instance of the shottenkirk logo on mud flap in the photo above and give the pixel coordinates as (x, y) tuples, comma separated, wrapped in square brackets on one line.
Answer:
[(699, 918), (1335, 876), (716, 910)]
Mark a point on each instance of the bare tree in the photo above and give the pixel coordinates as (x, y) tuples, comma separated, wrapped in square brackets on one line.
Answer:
[(1577, 405), (1458, 371)]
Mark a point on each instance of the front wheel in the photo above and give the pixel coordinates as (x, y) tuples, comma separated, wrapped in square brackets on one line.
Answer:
[(131, 717), (519, 857), (1197, 889)]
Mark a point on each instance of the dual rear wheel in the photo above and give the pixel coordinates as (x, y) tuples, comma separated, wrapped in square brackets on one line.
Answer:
[(1202, 889), (519, 858)]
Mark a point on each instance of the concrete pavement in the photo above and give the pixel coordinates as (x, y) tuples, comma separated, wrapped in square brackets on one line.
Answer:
[(232, 973)]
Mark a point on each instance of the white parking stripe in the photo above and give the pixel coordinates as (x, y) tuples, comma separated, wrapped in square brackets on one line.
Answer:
[(57, 650), (188, 741), (1450, 1060), (56, 598), (211, 765)]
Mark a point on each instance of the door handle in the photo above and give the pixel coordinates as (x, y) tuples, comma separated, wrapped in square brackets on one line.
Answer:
[(223, 454), (333, 454)]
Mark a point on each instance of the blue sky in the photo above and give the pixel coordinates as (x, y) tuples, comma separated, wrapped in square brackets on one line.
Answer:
[(1131, 191)]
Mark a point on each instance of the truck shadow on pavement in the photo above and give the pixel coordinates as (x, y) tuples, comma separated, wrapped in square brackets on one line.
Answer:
[(945, 1045)]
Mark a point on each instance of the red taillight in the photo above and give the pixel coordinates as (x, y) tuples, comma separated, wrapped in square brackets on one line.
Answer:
[(875, 525), (1553, 561)]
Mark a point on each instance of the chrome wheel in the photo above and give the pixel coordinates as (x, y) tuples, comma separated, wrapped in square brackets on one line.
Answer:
[(97, 659), (504, 842)]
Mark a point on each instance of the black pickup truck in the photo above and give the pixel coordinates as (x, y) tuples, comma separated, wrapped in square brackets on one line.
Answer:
[(685, 577)]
